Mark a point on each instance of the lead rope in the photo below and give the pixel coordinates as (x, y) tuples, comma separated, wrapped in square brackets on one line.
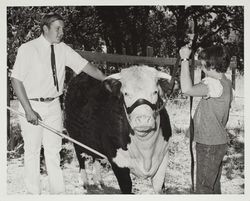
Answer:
[(191, 139), (191, 129)]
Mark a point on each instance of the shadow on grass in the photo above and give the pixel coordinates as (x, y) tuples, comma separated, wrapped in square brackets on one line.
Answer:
[(176, 190), (234, 160), (236, 146), (93, 189)]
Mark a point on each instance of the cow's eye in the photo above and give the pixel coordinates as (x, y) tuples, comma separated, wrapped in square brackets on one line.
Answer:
[(125, 94), (155, 92)]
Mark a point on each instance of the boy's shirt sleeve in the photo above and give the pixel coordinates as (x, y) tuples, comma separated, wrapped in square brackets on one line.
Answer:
[(215, 88)]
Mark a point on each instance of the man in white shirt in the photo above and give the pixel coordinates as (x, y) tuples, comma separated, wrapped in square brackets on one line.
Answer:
[(37, 78)]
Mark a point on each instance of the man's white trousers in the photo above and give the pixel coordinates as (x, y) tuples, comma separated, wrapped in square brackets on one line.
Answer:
[(34, 137)]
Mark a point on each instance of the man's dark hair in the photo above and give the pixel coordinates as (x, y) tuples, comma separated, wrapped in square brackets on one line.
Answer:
[(216, 57), (49, 18)]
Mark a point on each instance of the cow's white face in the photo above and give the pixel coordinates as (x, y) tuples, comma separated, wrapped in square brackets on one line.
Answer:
[(140, 90), (140, 83)]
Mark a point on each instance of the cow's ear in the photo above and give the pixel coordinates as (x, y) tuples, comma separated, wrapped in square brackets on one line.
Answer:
[(164, 82), (164, 85), (113, 85)]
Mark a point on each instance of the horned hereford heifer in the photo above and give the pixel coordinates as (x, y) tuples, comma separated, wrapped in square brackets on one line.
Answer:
[(122, 118)]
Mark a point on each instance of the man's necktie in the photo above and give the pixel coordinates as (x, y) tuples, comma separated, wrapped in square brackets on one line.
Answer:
[(53, 66)]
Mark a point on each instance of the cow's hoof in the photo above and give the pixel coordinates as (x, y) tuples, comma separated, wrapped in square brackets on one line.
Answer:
[(85, 188), (164, 190), (100, 185)]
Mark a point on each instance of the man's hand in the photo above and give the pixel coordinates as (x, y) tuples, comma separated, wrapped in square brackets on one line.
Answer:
[(185, 52), (33, 117)]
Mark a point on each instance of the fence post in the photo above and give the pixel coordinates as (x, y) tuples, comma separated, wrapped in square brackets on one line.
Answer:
[(202, 75), (150, 51), (124, 53), (10, 136), (233, 68)]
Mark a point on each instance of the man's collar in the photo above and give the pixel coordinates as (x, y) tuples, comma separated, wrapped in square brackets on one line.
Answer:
[(45, 42)]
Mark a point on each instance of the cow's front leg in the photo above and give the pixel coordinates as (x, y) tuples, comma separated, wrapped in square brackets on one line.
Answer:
[(159, 178), (123, 178), (84, 179), (97, 177)]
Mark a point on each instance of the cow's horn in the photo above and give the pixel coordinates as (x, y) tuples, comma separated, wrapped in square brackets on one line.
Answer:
[(164, 75), (116, 76)]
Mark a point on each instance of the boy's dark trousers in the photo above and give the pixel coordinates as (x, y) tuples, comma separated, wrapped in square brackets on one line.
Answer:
[(209, 167)]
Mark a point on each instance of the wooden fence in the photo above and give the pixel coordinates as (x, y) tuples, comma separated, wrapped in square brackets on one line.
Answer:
[(148, 60)]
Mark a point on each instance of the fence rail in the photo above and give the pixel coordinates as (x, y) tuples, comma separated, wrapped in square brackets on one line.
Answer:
[(116, 58), (148, 60)]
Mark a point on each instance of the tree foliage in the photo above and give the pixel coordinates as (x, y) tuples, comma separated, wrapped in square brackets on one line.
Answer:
[(130, 29)]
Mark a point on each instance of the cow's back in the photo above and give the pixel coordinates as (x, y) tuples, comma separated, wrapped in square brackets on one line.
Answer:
[(94, 117)]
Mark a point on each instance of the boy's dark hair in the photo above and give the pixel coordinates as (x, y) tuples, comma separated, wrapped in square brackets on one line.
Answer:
[(48, 19), (216, 57)]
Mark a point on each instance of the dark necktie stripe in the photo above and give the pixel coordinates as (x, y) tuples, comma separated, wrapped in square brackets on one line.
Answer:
[(53, 66)]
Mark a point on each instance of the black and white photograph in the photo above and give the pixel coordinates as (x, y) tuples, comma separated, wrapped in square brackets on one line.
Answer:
[(103, 99)]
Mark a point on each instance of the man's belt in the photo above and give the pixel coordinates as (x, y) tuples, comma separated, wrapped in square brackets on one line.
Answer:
[(49, 99)]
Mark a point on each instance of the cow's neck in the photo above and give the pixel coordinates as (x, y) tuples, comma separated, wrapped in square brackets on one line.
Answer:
[(143, 157), (144, 149)]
